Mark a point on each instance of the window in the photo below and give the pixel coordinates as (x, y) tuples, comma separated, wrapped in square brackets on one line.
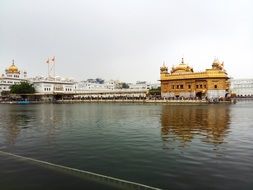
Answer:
[(177, 86), (201, 86), (181, 86), (204, 86), (47, 89), (215, 86), (189, 86), (172, 86), (197, 86)]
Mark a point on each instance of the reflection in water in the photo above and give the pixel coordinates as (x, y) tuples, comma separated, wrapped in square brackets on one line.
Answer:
[(17, 118), (184, 122), (124, 140), (14, 121)]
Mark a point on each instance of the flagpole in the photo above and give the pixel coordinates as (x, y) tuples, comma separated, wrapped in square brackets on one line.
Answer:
[(54, 67), (48, 67)]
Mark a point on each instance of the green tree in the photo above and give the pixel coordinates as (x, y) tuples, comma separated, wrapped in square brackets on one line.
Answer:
[(22, 88), (155, 91), (125, 85)]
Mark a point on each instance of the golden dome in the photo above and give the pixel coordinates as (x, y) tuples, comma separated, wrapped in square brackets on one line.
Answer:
[(12, 68), (182, 67)]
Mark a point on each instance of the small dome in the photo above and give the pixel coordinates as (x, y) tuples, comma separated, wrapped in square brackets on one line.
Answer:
[(164, 69), (12, 68), (217, 64)]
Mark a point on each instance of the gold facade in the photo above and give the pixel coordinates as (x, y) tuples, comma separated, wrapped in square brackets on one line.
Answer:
[(182, 81)]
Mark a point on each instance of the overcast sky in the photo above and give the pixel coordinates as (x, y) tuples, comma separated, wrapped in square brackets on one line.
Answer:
[(126, 40)]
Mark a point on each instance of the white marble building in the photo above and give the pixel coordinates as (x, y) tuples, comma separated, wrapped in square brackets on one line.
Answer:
[(143, 85), (12, 76), (93, 85), (53, 85), (93, 88), (242, 87)]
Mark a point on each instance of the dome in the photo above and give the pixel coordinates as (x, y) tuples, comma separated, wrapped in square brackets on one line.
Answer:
[(217, 64), (182, 67), (164, 69), (12, 68)]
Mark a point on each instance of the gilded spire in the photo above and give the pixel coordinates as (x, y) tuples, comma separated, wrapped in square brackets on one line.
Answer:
[(163, 69)]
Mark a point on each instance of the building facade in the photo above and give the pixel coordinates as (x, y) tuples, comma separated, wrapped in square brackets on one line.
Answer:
[(95, 84), (182, 81), (12, 76), (52, 88), (112, 89), (53, 85), (242, 87), (143, 85)]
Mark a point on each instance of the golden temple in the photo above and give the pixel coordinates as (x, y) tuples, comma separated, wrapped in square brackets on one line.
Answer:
[(182, 81)]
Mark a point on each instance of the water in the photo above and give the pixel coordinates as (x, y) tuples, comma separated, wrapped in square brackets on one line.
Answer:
[(169, 147)]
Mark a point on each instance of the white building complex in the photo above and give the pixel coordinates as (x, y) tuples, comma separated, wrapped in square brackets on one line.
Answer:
[(96, 85), (48, 87), (51, 85), (98, 88), (242, 87), (12, 76), (143, 85)]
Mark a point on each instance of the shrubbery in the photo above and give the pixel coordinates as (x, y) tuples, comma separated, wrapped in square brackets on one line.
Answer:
[(22, 88)]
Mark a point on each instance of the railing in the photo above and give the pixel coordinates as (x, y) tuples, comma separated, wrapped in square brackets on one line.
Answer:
[(98, 178)]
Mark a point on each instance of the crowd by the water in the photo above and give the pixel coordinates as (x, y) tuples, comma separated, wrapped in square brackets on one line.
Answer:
[(151, 98)]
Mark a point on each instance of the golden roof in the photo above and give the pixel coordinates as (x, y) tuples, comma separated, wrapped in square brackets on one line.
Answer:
[(181, 68), (12, 68), (183, 71)]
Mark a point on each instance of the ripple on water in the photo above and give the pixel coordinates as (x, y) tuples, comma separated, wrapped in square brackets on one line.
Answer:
[(174, 147)]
